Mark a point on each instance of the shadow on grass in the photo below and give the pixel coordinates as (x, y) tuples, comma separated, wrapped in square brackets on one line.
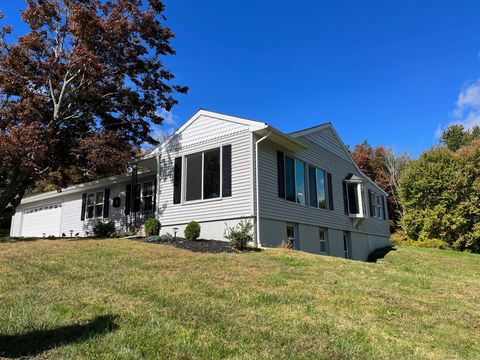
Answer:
[(377, 254), (38, 341)]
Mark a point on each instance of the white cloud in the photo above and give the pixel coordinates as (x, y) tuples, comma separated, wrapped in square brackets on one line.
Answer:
[(467, 108), (168, 117)]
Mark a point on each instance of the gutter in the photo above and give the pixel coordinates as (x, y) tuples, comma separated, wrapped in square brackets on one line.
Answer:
[(257, 237)]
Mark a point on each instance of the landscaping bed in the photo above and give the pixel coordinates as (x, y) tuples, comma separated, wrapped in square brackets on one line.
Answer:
[(200, 245)]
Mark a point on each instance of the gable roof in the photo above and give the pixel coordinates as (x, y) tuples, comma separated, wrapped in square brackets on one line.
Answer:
[(329, 125)]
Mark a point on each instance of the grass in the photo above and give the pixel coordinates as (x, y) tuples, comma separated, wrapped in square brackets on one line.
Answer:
[(119, 299)]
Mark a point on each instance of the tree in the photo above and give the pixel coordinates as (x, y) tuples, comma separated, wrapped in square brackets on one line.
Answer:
[(384, 167), (81, 90), (441, 195), (456, 136)]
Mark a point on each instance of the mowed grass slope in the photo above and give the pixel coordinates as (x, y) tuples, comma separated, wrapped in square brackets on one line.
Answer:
[(123, 299)]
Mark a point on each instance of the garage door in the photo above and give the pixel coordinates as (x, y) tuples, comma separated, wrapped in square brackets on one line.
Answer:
[(41, 220)]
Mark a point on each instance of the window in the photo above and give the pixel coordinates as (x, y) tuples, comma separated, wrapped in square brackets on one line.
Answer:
[(95, 205), (211, 174), (291, 236), (148, 196), (355, 199), (316, 180), (300, 182), (203, 175), (322, 234), (289, 179), (376, 204)]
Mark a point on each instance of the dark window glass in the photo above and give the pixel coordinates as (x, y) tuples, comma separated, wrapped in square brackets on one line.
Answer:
[(300, 181), (322, 203), (148, 196), (290, 179), (312, 186), (211, 174), (194, 177), (353, 198), (136, 197)]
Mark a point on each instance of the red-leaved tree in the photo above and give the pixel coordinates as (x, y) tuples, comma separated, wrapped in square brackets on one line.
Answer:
[(80, 90)]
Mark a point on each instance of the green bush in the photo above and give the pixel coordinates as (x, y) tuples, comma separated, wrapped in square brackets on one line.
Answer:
[(152, 227), (192, 231), (154, 238), (239, 235), (104, 229)]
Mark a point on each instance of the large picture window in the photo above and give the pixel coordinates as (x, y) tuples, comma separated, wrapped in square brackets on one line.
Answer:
[(203, 175)]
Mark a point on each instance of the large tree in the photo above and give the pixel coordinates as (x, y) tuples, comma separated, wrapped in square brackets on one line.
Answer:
[(457, 136), (80, 91)]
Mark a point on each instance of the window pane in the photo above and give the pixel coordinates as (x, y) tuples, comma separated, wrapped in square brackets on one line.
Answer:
[(194, 177), (211, 174), (136, 197), (289, 179), (300, 181), (98, 210), (322, 203), (312, 186), (147, 189), (352, 198), (99, 198), (90, 212), (91, 199)]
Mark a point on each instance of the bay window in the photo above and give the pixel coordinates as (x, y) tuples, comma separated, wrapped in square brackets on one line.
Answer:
[(354, 197)]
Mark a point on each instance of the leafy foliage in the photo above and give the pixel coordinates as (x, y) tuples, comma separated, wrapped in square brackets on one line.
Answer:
[(80, 91), (384, 167), (192, 231), (441, 195), (152, 227), (104, 229), (456, 136), (239, 235)]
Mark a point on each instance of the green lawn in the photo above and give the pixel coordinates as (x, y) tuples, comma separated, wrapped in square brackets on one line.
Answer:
[(124, 299)]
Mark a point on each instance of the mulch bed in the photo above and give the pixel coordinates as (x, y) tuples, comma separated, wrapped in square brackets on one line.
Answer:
[(202, 246)]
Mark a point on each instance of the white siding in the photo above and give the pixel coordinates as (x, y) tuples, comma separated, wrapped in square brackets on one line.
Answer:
[(194, 139), (273, 207)]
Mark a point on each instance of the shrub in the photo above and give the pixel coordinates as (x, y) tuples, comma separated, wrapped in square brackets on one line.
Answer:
[(104, 229), (167, 237), (239, 235), (154, 238), (192, 231), (152, 227)]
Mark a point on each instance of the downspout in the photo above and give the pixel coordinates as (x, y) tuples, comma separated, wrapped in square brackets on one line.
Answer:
[(257, 238)]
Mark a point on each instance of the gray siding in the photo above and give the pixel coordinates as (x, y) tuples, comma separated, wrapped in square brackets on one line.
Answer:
[(191, 141), (317, 154)]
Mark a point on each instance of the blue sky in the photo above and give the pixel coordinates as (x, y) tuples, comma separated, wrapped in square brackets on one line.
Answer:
[(392, 72)]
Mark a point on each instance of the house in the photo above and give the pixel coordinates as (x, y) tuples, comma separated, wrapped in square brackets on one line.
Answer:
[(308, 190)]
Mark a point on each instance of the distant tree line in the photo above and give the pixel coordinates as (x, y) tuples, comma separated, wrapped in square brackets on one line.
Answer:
[(434, 200)]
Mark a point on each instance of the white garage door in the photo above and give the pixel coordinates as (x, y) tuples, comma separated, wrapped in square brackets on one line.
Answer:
[(41, 220)]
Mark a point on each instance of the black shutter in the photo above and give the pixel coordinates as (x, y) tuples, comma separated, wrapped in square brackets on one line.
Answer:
[(84, 205), (383, 208), (227, 170), (345, 200), (370, 203), (155, 195), (128, 199), (281, 174), (330, 191), (177, 181), (106, 203)]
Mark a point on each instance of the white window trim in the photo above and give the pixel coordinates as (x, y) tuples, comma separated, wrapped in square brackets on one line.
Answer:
[(184, 178), (361, 213)]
